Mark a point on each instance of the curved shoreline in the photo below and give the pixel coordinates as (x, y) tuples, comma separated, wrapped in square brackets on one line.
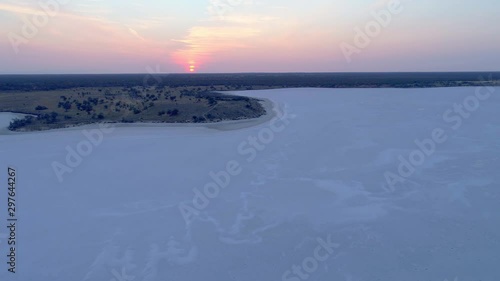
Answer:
[(225, 125), (6, 118)]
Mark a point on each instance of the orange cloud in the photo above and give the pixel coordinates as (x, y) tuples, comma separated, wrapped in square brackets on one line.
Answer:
[(203, 42)]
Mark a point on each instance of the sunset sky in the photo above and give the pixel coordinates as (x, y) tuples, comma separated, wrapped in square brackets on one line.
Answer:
[(140, 36)]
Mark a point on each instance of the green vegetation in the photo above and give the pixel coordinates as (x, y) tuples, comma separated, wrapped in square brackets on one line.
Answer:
[(248, 81), (72, 107), (41, 107), (58, 101)]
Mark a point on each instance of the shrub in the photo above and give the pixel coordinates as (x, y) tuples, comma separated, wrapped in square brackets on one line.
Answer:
[(19, 123), (48, 118), (174, 112)]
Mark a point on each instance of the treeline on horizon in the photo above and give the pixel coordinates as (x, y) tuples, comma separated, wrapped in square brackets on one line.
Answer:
[(14, 83)]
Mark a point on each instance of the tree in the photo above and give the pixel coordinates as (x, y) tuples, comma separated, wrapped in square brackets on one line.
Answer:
[(66, 105), (174, 112), (19, 123)]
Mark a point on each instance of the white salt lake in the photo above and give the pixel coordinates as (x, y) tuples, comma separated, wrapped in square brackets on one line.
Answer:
[(304, 197)]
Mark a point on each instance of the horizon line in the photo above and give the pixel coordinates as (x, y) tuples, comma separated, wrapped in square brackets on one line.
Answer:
[(233, 73)]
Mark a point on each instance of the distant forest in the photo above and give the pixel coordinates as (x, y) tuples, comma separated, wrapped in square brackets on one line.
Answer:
[(245, 81)]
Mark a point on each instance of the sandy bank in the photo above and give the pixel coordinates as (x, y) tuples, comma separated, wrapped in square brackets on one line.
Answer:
[(269, 106)]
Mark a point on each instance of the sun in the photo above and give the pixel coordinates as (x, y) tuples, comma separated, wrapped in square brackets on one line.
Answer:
[(192, 68)]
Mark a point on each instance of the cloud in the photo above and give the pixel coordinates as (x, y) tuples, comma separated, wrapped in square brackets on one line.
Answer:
[(136, 34), (226, 29), (204, 41), (28, 10), (20, 9), (245, 19)]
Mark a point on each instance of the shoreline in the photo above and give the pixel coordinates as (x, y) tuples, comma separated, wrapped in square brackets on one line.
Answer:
[(224, 125), (6, 118)]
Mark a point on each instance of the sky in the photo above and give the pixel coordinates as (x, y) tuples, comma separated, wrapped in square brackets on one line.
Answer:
[(226, 36)]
